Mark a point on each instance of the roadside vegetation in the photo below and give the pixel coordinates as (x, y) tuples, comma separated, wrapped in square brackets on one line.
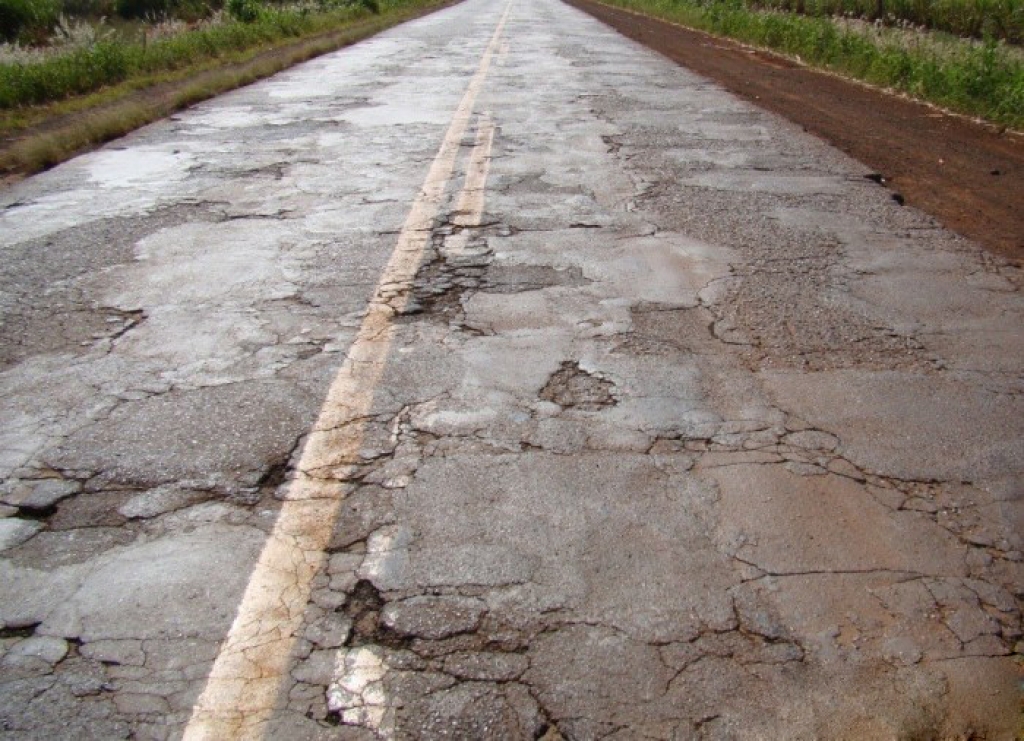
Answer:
[(88, 78), (899, 44), (999, 19), (82, 57)]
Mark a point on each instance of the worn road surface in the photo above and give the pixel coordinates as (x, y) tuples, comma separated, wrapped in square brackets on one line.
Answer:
[(496, 378)]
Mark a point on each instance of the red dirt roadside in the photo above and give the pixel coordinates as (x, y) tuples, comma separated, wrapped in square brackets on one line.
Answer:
[(969, 175)]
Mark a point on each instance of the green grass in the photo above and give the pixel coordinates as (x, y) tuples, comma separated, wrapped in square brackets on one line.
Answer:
[(112, 61), (1002, 19), (981, 79), (81, 122)]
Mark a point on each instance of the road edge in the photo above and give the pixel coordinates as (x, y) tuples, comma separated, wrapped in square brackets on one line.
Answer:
[(966, 173)]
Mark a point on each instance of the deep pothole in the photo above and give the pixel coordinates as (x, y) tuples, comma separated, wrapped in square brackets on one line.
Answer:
[(571, 387)]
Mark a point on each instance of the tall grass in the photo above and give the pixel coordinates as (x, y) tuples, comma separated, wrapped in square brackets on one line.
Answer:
[(98, 117), (985, 79), (85, 69), (1002, 19), (18, 16)]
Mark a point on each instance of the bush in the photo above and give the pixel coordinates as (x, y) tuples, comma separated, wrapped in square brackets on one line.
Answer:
[(187, 10), (327, 5), (144, 8), (246, 11), (89, 8), (32, 18)]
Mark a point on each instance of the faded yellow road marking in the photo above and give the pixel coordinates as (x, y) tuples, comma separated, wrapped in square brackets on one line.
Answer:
[(470, 207), (357, 688), (242, 690)]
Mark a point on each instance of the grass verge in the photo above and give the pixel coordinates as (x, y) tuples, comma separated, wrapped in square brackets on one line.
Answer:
[(1003, 19), (979, 79), (108, 61), (38, 137)]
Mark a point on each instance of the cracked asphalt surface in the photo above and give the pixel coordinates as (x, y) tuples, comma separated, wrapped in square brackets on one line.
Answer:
[(681, 427)]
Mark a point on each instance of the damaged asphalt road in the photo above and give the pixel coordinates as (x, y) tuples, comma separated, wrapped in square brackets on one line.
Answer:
[(647, 416)]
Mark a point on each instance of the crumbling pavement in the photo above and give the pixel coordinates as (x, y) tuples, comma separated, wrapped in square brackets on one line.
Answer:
[(695, 433)]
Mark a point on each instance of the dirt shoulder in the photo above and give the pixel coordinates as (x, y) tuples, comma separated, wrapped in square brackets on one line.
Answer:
[(968, 175)]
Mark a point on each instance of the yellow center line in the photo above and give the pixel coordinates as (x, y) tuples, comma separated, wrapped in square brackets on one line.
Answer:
[(470, 207), (359, 672), (245, 682)]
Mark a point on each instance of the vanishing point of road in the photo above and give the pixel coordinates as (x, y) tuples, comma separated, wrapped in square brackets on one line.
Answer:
[(496, 378)]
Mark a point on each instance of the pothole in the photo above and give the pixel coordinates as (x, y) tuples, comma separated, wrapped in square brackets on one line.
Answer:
[(455, 264), (364, 606), (571, 387)]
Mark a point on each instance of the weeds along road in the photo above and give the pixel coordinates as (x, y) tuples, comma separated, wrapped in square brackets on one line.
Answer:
[(497, 378)]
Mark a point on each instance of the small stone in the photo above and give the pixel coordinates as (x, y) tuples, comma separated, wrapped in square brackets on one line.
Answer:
[(812, 440), (158, 501), (433, 617), (343, 581), (328, 599), (15, 531), (329, 632), (805, 469), (344, 563), (40, 494), (46, 648), (7, 511)]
